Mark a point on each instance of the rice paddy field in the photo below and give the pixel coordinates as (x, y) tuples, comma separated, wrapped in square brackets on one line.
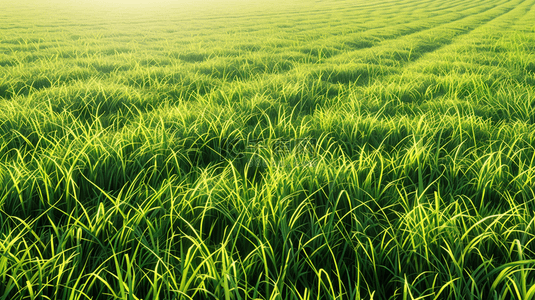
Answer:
[(233, 149)]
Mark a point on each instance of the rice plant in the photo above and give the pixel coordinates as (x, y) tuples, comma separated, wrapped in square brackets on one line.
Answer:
[(267, 150)]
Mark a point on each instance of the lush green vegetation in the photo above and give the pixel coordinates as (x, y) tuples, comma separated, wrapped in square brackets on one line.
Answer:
[(273, 150)]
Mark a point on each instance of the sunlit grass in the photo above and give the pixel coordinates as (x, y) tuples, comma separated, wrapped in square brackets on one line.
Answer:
[(267, 150)]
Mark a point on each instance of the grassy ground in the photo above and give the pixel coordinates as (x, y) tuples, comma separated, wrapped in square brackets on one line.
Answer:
[(273, 150)]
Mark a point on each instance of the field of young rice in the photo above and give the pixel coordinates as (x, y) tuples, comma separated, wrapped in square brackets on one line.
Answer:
[(275, 149)]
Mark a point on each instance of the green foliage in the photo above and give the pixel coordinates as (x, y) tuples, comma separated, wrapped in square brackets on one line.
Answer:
[(267, 150)]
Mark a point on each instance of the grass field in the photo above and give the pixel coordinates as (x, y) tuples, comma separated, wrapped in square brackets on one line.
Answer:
[(234, 149)]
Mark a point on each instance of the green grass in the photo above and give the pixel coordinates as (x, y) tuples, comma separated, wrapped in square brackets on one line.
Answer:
[(267, 150)]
